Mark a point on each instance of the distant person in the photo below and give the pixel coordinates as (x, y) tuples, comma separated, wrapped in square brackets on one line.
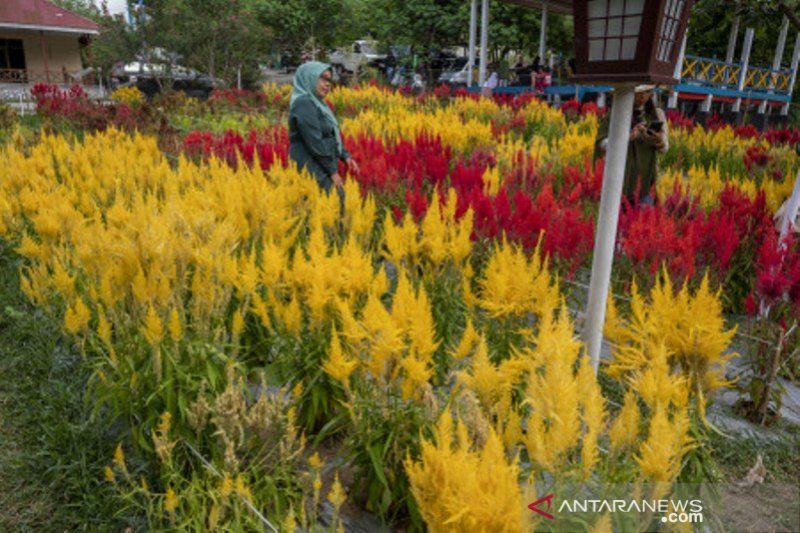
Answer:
[(541, 79), (315, 142), (649, 136), (490, 84)]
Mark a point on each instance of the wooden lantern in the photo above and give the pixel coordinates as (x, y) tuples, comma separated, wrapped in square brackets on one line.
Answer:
[(619, 41)]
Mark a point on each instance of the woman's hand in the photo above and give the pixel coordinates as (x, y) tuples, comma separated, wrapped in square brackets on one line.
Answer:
[(337, 180), (352, 166), (638, 130)]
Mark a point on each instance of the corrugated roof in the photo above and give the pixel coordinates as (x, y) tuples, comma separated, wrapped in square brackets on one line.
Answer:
[(42, 15)]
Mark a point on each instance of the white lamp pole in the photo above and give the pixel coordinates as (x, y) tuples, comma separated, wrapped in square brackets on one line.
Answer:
[(484, 40), (605, 236), (473, 29)]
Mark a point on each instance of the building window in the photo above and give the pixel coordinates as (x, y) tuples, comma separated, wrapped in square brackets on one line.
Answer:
[(12, 54), (12, 61)]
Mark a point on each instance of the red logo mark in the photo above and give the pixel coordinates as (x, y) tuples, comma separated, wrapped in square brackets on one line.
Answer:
[(533, 507)]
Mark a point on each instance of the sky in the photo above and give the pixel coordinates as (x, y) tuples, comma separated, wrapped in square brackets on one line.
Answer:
[(114, 6)]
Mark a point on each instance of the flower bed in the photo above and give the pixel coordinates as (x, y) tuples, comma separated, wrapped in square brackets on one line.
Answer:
[(233, 319)]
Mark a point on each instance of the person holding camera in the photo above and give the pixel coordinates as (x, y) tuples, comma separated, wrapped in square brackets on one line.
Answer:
[(649, 136)]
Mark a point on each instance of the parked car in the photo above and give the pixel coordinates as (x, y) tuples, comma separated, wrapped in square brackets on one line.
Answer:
[(362, 52), (151, 77), (457, 73)]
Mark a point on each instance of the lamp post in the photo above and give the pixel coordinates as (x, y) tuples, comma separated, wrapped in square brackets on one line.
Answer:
[(622, 42)]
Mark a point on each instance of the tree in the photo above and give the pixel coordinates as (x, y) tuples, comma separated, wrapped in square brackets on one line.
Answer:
[(219, 37), (298, 24), (711, 22), (84, 8)]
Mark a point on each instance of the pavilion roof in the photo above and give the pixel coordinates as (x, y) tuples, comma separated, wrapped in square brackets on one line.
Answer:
[(42, 15)]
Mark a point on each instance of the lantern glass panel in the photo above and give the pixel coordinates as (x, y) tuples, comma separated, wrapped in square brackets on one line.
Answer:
[(673, 10), (596, 49), (634, 7), (614, 27), (597, 8), (632, 25), (629, 48), (597, 28), (612, 49)]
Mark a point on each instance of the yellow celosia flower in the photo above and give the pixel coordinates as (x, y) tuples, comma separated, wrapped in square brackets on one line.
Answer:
[(152, 329), (237, 323), (603, 524), (103, 328), (170, 501), (338, 366), (119, 459), (468, 340), (667, 441), (76, 317), (226, 486), (514, 285), (625, 429), (458, 489), (213, 517), (242, 489), (314, 461), (336, 494), (290, 522), (683, 332), (175, 328)]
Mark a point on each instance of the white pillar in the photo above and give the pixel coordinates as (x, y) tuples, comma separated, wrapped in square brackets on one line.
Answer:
[(791, 207), (473, 30), (748, 42), (484, 40), (605, 236), (732, 41), (706, 105), (793, 79), (543, 34), (776, 60), (673, 98)]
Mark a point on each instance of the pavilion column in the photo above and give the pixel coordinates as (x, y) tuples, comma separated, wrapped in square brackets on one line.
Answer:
[(776, 60), (748, 43), (543, 34), (673, 98), (44, 57), (706, 105), (484, 41), (793, 79), (473, 30)]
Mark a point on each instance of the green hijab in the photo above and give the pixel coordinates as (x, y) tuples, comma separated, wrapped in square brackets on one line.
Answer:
[(305, 82)]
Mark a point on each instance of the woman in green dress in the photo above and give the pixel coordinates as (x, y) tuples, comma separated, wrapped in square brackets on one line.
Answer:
[(315, 142), (649, 136)]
